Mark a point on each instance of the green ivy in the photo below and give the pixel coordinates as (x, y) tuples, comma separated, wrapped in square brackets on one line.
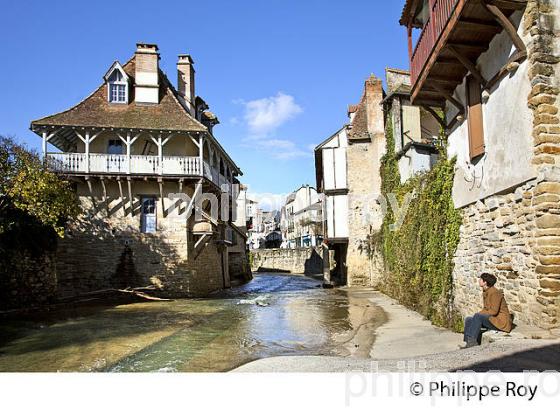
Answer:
[(418, 256)]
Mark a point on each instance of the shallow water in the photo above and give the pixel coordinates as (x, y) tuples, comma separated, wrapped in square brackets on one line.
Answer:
[(275, 314)]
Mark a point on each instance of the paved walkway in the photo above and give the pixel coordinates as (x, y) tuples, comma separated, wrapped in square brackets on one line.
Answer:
[(408, 342)]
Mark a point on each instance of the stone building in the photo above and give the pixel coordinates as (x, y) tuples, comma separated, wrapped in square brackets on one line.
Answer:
[(493, 67), (347, 170), (416, 130), (143, 158)]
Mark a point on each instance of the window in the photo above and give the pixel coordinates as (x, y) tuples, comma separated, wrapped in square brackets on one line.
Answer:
[(118, 93), (474, 118), (149, 221), (117, 83), (115, 147)]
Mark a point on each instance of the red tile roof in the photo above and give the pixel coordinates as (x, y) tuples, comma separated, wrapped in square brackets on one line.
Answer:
[(97, 111)]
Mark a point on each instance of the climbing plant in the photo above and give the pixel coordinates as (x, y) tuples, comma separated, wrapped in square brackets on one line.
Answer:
[(418, 255)]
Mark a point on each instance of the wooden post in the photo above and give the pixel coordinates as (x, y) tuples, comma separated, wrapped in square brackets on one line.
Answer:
[(129, 182), (201, 153), (128, 152), (45, 145), (87, 151), (410, 49), (160, 154)]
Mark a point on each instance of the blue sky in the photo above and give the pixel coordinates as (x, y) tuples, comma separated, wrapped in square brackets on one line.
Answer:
[(279, 74)]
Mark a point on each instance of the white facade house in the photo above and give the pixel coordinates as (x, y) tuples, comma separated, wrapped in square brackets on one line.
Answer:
[(301, 219), (332, 153)]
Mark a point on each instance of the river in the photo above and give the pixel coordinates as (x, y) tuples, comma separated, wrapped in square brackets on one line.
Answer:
[(274, 314)]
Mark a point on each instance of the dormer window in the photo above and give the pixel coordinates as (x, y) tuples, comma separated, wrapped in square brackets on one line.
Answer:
[(117, 84), (117, 88)]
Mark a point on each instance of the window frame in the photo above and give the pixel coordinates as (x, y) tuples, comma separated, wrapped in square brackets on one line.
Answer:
[(143, 214), (123, 82)]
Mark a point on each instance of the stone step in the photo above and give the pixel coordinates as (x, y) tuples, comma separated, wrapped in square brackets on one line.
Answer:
[(519, 332)]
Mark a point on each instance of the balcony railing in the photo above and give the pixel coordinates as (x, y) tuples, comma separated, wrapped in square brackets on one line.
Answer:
[(440, 13), (119, 164)]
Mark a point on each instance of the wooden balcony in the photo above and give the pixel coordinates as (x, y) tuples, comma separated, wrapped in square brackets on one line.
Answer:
[(139, 165), (453, 35)]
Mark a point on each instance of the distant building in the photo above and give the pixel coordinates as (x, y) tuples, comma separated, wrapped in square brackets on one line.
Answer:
[(347, 169), (415, 129), (301, 219)]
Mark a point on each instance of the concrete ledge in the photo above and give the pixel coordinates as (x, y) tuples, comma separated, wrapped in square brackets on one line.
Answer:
[(520, 332)]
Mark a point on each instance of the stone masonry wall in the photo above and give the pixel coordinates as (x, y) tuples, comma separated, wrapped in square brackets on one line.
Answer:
[(105, 249), (516, 236), (27, 280), (308, 261)]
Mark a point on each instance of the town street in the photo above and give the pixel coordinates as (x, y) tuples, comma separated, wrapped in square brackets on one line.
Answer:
[(273, 315)]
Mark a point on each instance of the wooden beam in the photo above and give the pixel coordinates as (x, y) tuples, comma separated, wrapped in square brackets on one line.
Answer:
[(160, 183), (479, 26), (430, 103), (104, 188), (447, 95), (122, 196), (469, 65), (434, 114), (509, 4), (444, 82), (506, 25), (193, 199), (129, 183), (469, 47), (516, 57)]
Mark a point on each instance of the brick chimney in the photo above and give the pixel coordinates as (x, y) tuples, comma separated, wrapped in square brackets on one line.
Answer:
[(373, 98), (185, 81), (147, 73)]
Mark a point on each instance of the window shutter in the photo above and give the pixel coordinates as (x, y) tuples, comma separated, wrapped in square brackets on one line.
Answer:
[(474, 118)]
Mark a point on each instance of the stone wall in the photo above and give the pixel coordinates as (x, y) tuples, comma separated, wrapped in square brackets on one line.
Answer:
[(105, 248), (364, 186), (516, 235), (308, 261), (27, 280)]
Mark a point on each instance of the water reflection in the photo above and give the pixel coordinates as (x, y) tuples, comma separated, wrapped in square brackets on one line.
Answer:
[(275, 314)]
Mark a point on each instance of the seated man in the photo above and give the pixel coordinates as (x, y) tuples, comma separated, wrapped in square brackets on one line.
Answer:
[(494, 316)]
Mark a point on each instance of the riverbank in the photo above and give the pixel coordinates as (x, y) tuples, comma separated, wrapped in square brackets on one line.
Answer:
[(408, 342)]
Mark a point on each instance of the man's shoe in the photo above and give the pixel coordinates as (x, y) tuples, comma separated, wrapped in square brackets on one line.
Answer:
[(469, 344)]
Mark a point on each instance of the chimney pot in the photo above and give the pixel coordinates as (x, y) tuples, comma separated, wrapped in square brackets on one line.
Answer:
[(147, 73), (186, 82)]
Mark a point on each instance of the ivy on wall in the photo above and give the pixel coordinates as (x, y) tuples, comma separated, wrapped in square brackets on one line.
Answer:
[(418, 255)]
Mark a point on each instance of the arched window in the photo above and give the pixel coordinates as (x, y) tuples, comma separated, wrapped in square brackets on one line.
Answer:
[(117, 84)]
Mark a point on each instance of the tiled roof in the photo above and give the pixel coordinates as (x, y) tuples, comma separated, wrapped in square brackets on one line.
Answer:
[(97, 111), (407, 11), (359, 128)]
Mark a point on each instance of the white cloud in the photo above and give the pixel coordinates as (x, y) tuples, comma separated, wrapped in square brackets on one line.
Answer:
[(277, 148), (265, 115)]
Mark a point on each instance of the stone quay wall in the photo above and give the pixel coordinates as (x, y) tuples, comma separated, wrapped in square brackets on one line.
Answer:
[(105, 248), (27, 280), (308, 261)]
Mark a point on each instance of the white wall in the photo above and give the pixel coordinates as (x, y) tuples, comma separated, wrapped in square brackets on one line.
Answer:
[(334, 162), (337, 216), (507, 131)]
